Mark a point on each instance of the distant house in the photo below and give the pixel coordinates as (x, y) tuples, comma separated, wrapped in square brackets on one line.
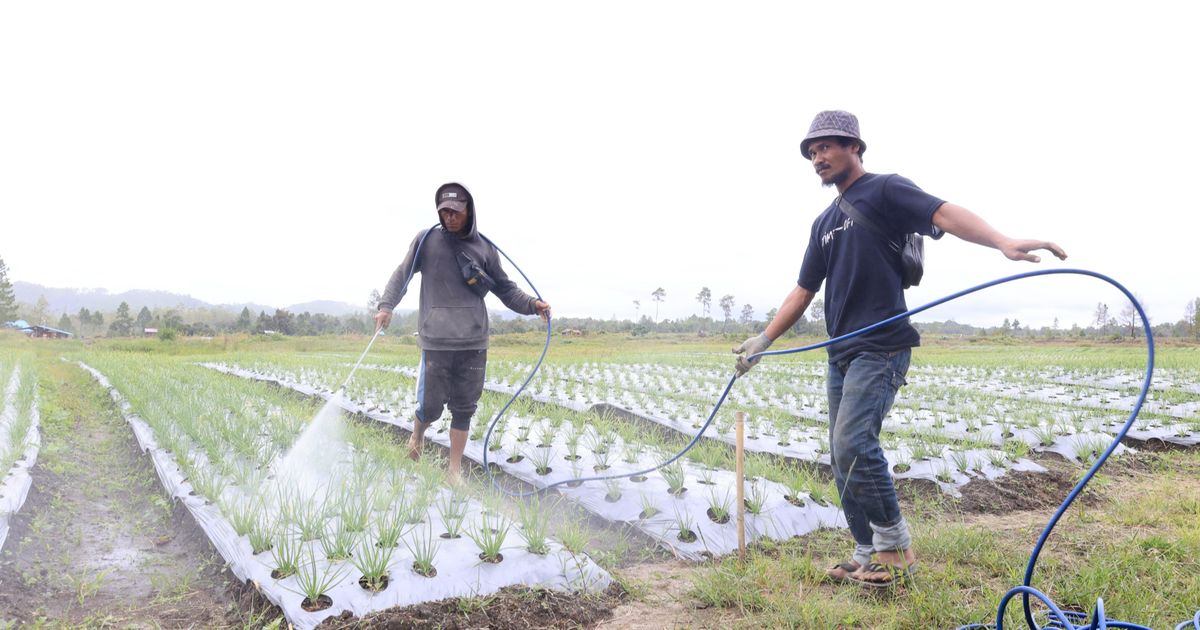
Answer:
[(149, 332), (572, 332), (34, 330)]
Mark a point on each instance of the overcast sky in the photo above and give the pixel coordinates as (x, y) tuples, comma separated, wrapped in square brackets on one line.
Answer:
[(288, 151)]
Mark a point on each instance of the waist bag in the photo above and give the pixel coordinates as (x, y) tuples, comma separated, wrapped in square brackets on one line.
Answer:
[(911, 249), (472, 273)]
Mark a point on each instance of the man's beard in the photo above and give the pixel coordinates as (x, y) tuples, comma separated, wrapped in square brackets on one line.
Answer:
[(836, 180)]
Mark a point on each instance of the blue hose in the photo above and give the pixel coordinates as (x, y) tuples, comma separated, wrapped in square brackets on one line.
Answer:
[(1061, 619)]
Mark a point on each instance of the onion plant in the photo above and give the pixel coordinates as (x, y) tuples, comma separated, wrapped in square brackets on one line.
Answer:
[(315, 579), (674, 476), (452, 509), (541, 457), (389, 527), (489, 536), (424, 550), (719, 506), (340, 544), (685, 527), (242, 512), (797, 480), (756, 497), (601, 458), (961, 461), (571, 441), (207, 482), (286, 554), (535, 524), (262, 534), (648, 507), (613, 490), (573, 536), (1044, 433)]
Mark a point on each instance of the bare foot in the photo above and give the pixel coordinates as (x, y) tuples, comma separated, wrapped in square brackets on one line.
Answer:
[(414, 447), (454, 479)]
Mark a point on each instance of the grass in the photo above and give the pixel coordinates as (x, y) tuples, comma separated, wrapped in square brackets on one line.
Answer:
[(1137, 548)]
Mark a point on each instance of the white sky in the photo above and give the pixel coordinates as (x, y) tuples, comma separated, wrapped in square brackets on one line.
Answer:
[(288, 151)]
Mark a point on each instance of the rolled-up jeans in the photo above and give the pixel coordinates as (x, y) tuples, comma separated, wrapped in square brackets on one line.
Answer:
[(861, 391)]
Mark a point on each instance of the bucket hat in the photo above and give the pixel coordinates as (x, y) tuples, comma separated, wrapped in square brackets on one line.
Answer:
[(833, 122)]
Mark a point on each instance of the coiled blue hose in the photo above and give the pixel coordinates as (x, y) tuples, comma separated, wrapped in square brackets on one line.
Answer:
[(1062, 620)]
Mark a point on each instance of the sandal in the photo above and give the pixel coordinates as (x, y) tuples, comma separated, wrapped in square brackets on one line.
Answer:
[(895, 574), (841, 571)]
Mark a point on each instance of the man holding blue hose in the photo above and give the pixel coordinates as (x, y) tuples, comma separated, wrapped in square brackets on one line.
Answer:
[(458, 267), (863, 280)]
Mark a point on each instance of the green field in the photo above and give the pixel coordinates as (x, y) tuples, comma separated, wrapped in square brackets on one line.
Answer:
[(1133, 539)]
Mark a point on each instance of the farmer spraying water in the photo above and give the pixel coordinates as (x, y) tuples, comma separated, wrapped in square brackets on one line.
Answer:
[(459, 268), (856, 247)]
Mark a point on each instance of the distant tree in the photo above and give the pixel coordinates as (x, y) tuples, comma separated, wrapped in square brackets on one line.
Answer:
[(98, 321), (747, 314), (8, 299), (41, 311), (1100, 317), (144, 317), (1129, 317), (244, 323), (704, 297), (637, 310), (816, 311), (171, 320), (726, 308), (85, 320), (263, 324), (64, 323), (122, 323), (284, 322), (771, 315), (658, 295), (1196, 317), (373, 301)]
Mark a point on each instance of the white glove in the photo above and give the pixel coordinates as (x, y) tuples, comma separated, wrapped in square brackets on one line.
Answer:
[(751, 346)]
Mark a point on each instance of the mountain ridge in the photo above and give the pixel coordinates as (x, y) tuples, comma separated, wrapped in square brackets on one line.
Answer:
[(70, 300)]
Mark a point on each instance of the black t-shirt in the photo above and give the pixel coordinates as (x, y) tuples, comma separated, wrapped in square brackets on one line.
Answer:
[(863, 272)]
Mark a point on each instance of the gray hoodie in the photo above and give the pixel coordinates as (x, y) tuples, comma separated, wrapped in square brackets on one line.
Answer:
[(452, 316)]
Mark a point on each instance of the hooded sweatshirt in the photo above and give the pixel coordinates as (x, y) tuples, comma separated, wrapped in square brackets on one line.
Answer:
[(451, 315)]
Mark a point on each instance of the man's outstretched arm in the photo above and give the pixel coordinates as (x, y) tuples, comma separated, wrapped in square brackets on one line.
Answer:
[(970, 227)]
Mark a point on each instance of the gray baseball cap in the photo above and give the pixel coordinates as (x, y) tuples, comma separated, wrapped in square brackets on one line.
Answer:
[(832, 123), (452, 196)]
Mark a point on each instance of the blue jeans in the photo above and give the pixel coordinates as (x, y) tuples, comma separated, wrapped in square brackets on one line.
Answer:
[(861, 391)]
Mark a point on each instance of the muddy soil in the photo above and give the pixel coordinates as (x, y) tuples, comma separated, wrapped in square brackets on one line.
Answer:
[(97, 542)]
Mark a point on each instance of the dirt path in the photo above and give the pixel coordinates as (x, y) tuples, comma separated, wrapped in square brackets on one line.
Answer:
[(97, 542)]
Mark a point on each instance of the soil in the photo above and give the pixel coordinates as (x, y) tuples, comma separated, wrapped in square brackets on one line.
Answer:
[(664, 600), (97, 542), (512, 607), (1018, 491)]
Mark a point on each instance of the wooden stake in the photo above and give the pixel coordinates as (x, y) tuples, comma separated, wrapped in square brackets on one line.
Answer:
[(740, 422)]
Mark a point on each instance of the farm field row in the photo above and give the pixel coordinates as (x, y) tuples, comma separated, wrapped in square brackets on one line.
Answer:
[(353, 526), (19, 438)]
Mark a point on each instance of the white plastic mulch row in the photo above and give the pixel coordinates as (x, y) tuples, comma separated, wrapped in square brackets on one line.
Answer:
[(14, 487), (947, 468), (459, 571), (622, 500), (950, 468)]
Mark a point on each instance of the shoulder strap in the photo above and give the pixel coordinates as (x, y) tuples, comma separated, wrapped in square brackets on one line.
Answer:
[(859, 217)]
